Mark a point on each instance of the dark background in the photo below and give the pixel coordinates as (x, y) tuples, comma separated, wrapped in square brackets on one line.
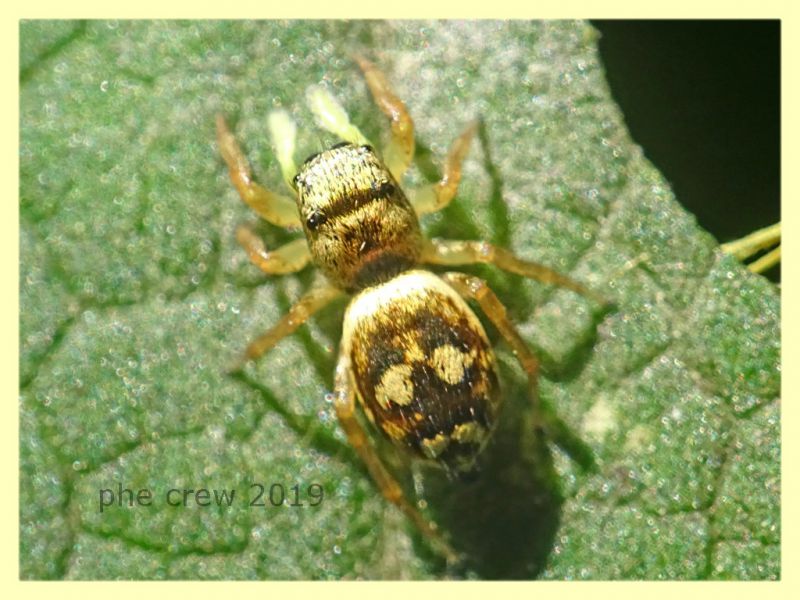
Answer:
[(703, 100)]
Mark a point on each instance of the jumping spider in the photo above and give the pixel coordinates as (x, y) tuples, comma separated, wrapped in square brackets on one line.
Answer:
[(413, 354)]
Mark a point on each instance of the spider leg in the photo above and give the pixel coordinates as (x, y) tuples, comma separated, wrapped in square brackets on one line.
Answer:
[(436, 196), (289, 258), (344, 404), (463, 252), (313, 301), (400, 150), (270, 206), (475, 288)]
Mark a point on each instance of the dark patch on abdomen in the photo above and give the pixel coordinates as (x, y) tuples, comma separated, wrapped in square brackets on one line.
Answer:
[(447, 405)]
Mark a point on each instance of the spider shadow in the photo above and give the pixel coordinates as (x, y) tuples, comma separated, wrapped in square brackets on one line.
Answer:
[(503, 520)]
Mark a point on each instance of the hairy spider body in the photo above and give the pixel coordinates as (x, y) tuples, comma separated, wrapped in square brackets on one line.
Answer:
[(360, 227), (422, 368), (413, 355)]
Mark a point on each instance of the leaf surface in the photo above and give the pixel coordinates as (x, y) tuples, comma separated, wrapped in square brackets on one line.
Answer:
[(135, 297)]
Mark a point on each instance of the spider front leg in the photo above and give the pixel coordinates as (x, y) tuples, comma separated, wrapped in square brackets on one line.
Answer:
[(345, 406), (275, 208), (463, 252), (436, 196), (289, 258), (313, 301), (400, 151)]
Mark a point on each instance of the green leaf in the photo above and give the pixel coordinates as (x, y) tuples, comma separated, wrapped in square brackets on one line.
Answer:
[(664, 461)]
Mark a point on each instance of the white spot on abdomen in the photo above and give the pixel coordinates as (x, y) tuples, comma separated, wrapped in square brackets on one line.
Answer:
[(395, 386)]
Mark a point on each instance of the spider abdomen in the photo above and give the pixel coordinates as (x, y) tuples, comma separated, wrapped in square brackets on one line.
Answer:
[(422, 367)]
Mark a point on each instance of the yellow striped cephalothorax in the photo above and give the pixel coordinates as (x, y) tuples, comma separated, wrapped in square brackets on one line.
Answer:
[(360, 227)]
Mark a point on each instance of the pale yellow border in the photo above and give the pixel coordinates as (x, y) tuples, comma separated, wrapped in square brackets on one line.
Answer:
[(409, 8)]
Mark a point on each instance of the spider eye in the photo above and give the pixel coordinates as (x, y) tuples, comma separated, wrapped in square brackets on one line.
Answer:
[(315, 220), (385, 189)]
